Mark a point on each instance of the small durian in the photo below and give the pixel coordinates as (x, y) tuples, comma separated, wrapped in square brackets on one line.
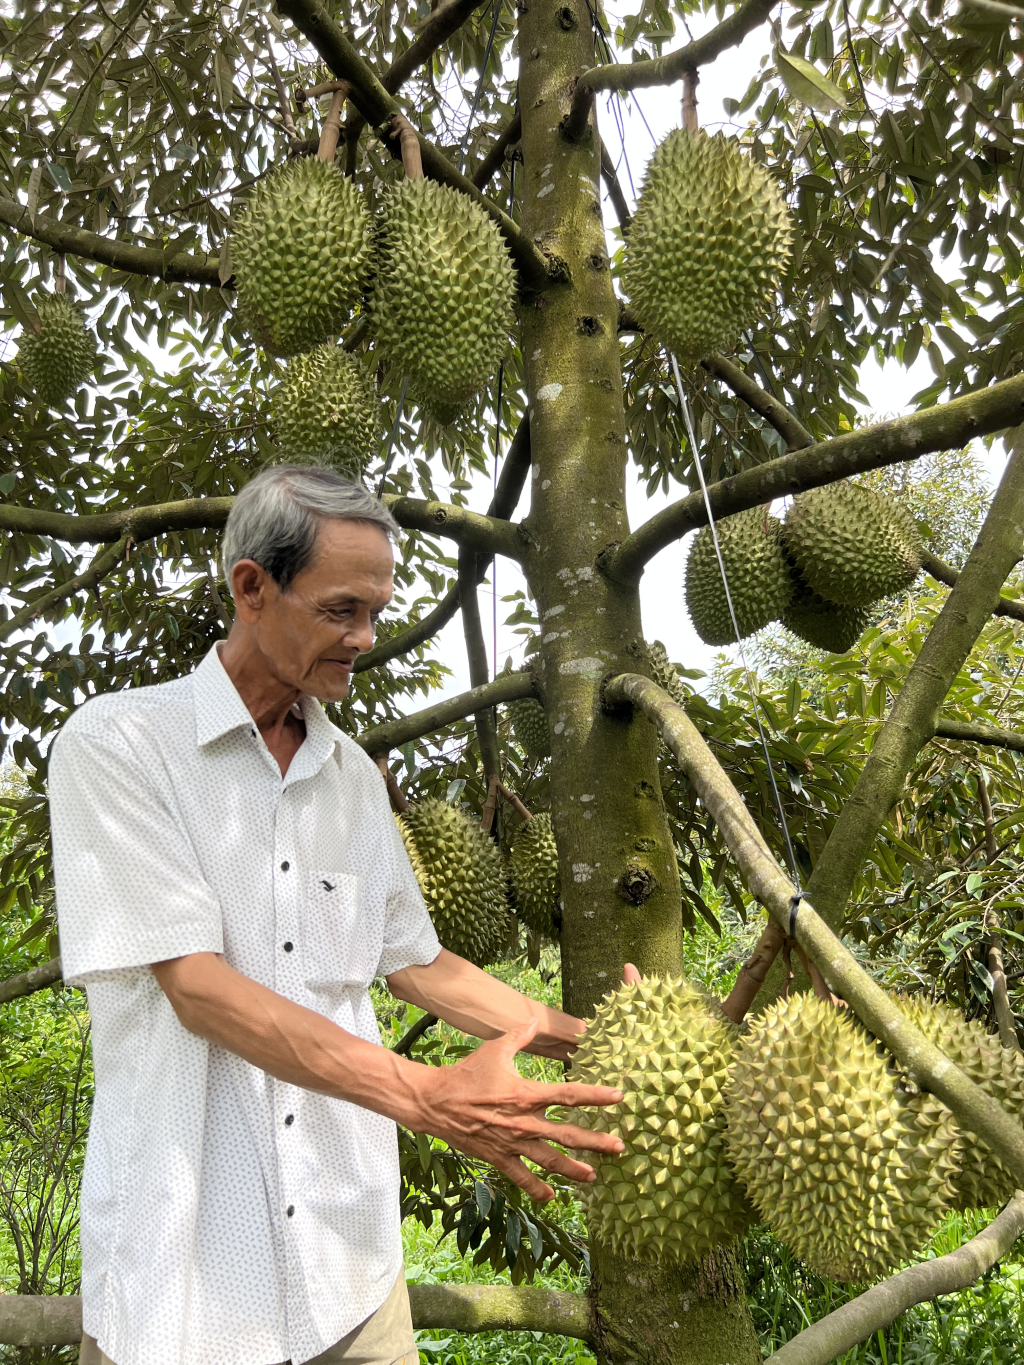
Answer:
[(760, 581), (851, 545), (530, 728), (984, 1182), (826, 625), (848, 1165), (442, 298), (671, 1194), (665, 673), (462, 878), (533, 867), (301, 254), (59, 353), (324, 409), (708, 245)]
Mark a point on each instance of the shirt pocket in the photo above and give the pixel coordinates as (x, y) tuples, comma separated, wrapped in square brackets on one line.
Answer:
[(337, 943)]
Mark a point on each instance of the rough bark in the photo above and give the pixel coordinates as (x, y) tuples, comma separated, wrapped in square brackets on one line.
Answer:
[(976, 733), (35, 979)]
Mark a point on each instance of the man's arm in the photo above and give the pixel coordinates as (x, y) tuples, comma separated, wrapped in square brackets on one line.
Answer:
[(468, 999), (480, 1105)]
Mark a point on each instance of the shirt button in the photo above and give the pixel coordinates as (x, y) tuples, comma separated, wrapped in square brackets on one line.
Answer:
[(289, 1120), (285, 866), (288, 947), (290, 1210)]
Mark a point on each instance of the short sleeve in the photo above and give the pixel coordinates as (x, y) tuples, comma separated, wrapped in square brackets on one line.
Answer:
[(128, 885), (409, 937)]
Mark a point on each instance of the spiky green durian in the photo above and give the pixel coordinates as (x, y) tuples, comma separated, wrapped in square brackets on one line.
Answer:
[(442, 299), (533, 865), (851, 1168), (670, 1195), (324, 408), (664, 672), (759, 578), (462, 877), (708, 244), (56, 355), (851, 545), (984, 1182), (301, 254), (530, 727), (826, 625)]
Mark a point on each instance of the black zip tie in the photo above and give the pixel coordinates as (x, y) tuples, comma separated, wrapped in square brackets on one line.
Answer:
[(480, 83), (389, 452)]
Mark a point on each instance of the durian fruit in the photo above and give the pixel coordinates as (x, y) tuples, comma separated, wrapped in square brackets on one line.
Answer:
[(664, 672), (851, 545), (533, 866), (301, 254), (462, 877), (670, 1195), (56, 357), (826, 625), (530, 727), (442, 299), (759, 578), (708, 244), (984, 1182), (324, 408), (850, 1169)]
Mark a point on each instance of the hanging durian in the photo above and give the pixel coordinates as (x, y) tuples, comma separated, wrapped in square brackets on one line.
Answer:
[(826, 625), (671, 1194), (851, 545), (533, 866), (665, 673), (759, 578), (984, 1182), (708, 244), (530, 728), (462, 877), (442, 299), (59, 353), (301, 255), (325, 409), (850, 1166)]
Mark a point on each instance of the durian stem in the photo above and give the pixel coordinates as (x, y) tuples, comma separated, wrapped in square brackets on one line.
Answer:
[(409, 145), (753, 973), (1005, 1022), (60, 283), (817, 980), (834, 1335), (973, 1109), (515, 801), (35, 979), (331, 130), (944, 427), (945, 573), (776, 414), (399, 801), (490, 809), (394, 733), (690, 120)]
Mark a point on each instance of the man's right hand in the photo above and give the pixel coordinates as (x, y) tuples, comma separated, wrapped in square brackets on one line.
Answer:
[(486, 1109)]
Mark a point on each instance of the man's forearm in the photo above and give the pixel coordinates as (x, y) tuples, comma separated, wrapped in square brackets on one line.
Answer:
[(468, 999)]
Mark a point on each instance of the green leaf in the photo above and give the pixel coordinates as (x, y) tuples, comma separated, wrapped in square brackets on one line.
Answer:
[(805, 83)]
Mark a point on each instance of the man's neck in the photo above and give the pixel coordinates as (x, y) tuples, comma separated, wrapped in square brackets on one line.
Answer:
[(272, 704)]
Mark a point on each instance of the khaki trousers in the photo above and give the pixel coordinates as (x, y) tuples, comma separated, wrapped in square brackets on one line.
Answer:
[(385, 1338)]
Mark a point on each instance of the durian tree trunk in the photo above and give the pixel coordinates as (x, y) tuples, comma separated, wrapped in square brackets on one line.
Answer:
[(620, 885)]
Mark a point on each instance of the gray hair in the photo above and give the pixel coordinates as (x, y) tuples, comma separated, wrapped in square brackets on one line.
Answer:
[(276, 518)]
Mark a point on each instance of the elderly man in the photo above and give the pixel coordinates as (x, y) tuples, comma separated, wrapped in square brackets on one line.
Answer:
[(229, 882)]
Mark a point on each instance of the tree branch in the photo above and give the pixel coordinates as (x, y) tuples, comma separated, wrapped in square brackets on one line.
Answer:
[(913, 717), (777, 414), (394, 733), (27, 983), (167, 263), (495, 158), (973, 732), (471, 529), (102, 564), (834, 1335), (476, 655), (944, 427), (662, 70), (973, 1109), (378, 107), (615, 192), (945, 573), (412, 1035)]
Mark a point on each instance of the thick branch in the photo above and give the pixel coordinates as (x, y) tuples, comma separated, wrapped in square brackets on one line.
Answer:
[(971, 1107), (140, 523), (378, 107), (445, 20), (167, 263), (102, 564), (945, 427), (495, 158), (425, 629), (471, 529), (777, 414), (394, 733), (27, 983), (662, 70), (914, 715), (834, 1335), (976, 733), (945, 573)]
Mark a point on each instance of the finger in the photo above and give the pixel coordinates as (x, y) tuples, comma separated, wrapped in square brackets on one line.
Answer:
[(561, 1163), (570, 1135), (516, 1039), (573, 1095), (630, 975), (520, 1174)]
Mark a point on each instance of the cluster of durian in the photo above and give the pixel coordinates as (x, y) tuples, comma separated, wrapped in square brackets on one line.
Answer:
[(841, 549), (58, 353), (432, 271)]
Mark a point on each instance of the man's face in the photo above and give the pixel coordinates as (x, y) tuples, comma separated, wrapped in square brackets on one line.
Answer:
[(310, 634)]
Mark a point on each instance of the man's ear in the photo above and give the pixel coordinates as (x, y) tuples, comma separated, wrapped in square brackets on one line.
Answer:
[(250, 587)]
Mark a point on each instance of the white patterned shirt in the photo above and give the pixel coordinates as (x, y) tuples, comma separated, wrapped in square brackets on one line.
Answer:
[(227, 1218)]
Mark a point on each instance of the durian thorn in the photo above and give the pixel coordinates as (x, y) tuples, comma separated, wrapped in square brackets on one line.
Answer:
[(331, 130), (409, 145)]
